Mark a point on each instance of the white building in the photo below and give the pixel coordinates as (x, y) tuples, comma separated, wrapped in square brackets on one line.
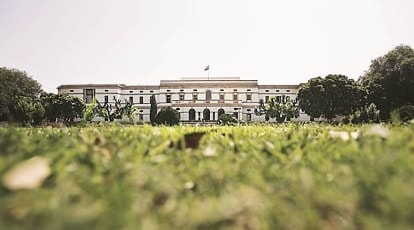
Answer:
[(196, 99)]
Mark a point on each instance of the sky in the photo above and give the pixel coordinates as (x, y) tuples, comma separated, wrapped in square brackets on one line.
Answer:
[(140, 42)]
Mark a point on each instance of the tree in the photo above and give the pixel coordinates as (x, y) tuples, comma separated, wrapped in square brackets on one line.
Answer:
[(15, 84), (62, 106), (281, 110), (168, 116), (28, 111), (331, 96), (109, 112), (153, 109), (390, 80)]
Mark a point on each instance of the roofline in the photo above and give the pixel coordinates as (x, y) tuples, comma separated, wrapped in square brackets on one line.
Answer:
[(121, 86), (278, 86)]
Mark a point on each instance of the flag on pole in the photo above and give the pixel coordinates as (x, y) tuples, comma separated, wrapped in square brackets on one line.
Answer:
[(207, 68)]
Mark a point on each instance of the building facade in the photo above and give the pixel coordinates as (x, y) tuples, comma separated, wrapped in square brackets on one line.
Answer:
[(196, 99)]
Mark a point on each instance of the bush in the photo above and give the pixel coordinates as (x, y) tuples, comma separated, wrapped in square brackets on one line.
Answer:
[(227, 119), (402, 114), (345, 120), (168, 116)]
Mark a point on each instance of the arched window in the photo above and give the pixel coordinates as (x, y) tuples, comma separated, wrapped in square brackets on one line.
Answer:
[(208, 95), (191, 115), (220, 112), (206, 114)]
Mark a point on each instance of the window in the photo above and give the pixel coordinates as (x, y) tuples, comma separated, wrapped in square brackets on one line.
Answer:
[(106, 90), (222, 97), (248, 90), (195, 97), (89, 95), (191, 115), (277, 91), (235, 97), (106, 98), (182, 97), (141, 100), (168, 98), (151, 91), (71, 90), (234, 90), (249, 117), (168, 90), (278, 99), (195, 90), (131, 100), (221, 90), (288, 90), (220, 112), (206, 114), (141, 117), (249, 97), (181, 90), (248, 110), (179, 113), (208, 96), (266, 90), (141, 91), (267, 99), (131, 91)]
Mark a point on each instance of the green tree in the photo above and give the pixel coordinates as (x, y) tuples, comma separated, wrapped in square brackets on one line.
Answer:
[(15, 84), (390, 80), (281, 110), (168, 116), (109, 112), (62, 106), (91, 110), (28, 111), (331, 96), (153, 109)]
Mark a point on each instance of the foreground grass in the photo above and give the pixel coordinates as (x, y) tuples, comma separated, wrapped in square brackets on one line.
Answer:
[(253, 177)]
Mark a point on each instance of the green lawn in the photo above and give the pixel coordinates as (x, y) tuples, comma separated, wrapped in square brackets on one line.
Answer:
[(249, 177)]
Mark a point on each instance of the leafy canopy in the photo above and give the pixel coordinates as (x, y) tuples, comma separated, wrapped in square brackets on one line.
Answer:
[(168, 116), (390, 80), (62, 106), (330, 96), (15, 84)]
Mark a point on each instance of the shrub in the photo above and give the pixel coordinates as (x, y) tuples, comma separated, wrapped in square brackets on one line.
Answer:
[(168, 116), (345, 120), (402, 114), (227, 119)]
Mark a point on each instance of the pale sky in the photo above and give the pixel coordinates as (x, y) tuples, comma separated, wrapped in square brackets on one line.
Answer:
[(144, 41)]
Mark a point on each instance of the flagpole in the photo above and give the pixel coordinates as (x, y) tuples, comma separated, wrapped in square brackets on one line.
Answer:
[(208, 74)]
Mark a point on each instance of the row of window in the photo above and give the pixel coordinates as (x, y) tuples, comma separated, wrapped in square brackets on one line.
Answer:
[(90, 94), (106, 90), (208, 97), (279, 99), (194, 90), (277, 91), (131, 99)]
